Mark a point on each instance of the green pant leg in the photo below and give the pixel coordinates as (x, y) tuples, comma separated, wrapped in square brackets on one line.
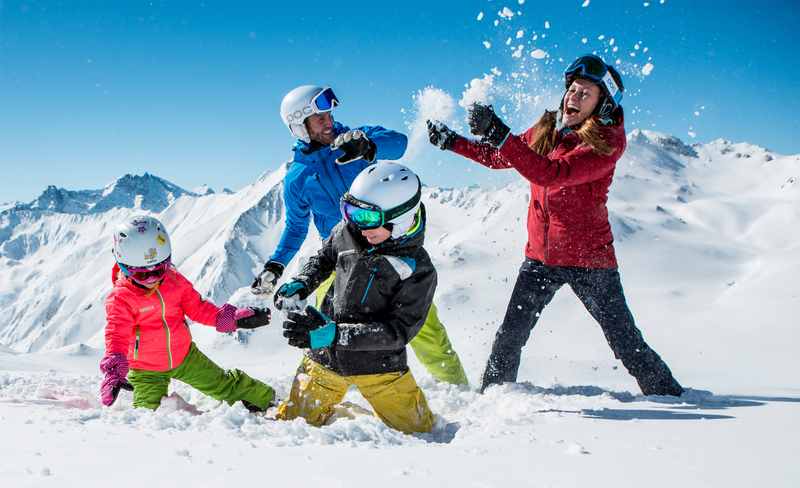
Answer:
[(149, 387), (230, 386), (436, 353)]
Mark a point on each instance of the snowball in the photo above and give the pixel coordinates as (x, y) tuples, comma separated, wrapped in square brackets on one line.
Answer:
[(538, 54), (585, 3), (506, 13), (480, 16), (647, 69), (546, 24), (487, 44)]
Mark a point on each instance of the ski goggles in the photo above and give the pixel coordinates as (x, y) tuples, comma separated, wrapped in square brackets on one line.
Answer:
[(595, 69), (146, 275), (324, 101), (366, 216)]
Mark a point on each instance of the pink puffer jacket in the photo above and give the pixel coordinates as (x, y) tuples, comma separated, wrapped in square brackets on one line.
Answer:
[(149, 326)]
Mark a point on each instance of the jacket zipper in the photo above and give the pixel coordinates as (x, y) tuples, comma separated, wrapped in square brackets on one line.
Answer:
[(369, 285), (136, 344), (166, 327), (546, 225)]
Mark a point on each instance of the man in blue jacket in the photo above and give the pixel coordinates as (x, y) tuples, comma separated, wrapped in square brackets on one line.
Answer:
[(327, 157)]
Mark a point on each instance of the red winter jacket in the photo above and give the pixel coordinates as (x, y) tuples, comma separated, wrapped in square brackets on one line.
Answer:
[(567, 217), (149, 326)]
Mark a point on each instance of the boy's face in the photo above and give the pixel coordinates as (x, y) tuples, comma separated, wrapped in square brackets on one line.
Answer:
[(376, 236)]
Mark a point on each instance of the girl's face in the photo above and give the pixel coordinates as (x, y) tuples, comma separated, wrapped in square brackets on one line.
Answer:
[(580, 101)]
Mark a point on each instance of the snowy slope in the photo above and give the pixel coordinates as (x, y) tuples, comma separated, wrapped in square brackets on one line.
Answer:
[(707, 237)]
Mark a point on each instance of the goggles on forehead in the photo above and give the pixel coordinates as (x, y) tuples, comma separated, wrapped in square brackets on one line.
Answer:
[(593, 68), (365, 215), (146, 275), (324, 101)]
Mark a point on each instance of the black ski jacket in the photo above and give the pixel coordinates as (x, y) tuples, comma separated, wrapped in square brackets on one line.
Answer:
[(379, 299)]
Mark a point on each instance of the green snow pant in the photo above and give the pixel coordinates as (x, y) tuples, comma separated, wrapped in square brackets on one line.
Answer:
[(196, 370), (431, 344)]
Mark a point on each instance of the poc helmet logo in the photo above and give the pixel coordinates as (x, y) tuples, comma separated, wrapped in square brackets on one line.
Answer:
[(298, 116)]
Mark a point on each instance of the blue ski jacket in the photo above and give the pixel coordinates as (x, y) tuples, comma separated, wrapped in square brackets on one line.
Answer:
[(314, 184)]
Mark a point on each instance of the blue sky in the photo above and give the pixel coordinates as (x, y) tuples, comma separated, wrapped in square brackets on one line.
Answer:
[(190, 90)]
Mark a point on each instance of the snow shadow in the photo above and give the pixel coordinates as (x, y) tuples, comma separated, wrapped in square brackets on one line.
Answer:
[(653, 414), (689, 406)]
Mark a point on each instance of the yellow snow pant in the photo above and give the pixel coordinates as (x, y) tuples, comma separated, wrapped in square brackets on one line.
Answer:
[(395, 397), (431, 344)]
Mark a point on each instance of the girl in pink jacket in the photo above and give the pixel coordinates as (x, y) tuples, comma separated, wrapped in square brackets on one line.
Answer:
[(148, 342)]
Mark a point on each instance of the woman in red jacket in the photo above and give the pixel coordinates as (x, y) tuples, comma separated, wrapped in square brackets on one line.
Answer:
[(569, 157), (148, 342)]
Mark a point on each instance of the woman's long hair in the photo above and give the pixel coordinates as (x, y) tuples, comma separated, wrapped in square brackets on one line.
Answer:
[(590, 132)]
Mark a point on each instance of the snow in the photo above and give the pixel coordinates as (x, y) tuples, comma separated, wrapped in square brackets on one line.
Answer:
[(478, 90), (707, 257), (585, 3), (538, 54), (506, 13), (647, 69), (430, 103)]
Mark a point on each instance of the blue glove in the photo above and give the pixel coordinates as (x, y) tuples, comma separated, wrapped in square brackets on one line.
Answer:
[(309, 329), (290, 294)]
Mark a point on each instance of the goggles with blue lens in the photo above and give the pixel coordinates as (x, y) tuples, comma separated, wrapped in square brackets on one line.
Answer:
[(324, 101), (595, 69), (366, 216)]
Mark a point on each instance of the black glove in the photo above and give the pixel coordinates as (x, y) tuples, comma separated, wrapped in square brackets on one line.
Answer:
[(290, 294), (266, 280), (309, 329), (356, 145), (483, 122), (440, 135), (260, 318)]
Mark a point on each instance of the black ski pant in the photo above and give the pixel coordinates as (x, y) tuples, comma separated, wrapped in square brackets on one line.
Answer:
[(600, 290)]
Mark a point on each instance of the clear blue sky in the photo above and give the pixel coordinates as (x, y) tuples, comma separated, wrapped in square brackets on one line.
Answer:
[(190, 90)]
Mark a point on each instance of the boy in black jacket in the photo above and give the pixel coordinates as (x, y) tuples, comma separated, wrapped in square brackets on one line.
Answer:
[(383, 289)]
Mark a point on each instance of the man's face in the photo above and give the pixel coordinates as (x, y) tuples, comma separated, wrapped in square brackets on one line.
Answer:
[(320, 128)]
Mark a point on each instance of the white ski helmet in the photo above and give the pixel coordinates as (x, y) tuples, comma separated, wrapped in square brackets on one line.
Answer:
[(303, 102), (384, 193), (141, 241)]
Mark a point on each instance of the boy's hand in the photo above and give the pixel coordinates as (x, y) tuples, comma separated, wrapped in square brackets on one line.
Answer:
[(290, 295), (309, 329)]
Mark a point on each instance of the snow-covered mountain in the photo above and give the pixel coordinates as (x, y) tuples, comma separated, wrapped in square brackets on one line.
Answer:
[(697, 227), (146, 192)]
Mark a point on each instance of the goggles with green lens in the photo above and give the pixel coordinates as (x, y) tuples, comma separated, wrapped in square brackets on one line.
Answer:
[(365, 215)]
